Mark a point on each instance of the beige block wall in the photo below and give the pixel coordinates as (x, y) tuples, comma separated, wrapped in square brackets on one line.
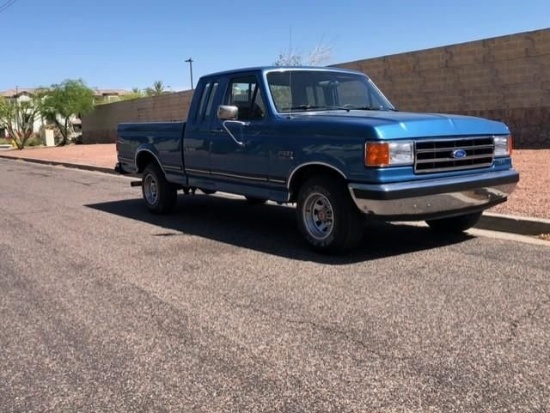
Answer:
[(504, 78), (100, 125)]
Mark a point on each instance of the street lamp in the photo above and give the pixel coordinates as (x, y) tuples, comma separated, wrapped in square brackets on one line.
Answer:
[(190, 61)]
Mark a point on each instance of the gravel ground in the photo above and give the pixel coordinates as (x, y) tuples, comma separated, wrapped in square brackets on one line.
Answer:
[(532, 195)]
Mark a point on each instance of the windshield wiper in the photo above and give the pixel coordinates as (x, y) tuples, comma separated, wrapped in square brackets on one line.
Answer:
[(351, 107), (344, 107), (306, 107)]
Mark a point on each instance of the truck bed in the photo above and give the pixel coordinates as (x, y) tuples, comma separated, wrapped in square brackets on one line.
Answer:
[(163, 140)]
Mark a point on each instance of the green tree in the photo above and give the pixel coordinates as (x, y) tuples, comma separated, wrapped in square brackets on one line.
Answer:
[(63, 101), (17, 117), (157, 89)]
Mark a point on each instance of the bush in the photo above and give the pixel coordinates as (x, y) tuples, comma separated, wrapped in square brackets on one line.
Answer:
[(34, 140), (77, 139)]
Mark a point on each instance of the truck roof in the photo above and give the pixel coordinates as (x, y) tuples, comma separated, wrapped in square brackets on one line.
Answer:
[(264, 69)]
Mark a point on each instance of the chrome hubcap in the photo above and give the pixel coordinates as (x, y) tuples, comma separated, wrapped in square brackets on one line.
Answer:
[(318, 216), (150, 189)]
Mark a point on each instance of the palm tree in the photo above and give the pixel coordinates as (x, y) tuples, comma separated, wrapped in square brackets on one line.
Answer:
[(157, 89)]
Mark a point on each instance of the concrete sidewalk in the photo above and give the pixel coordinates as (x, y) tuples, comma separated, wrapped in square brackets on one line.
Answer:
[(98, 157), (103, 158)]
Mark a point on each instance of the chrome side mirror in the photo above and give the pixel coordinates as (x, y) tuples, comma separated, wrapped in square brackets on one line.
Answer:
[(227, 112)]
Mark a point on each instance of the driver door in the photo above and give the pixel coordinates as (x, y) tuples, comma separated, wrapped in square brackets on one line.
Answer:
[(242, 166)]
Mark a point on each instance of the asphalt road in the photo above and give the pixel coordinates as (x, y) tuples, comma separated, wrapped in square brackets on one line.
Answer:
[(222, 308)]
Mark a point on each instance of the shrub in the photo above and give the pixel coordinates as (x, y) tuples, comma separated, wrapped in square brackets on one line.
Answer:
[(34, 140)]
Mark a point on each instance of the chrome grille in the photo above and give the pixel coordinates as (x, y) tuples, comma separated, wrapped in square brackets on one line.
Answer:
[(453, 154)]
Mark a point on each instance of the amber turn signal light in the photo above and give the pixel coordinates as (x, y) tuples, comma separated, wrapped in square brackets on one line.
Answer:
[(377, 154)]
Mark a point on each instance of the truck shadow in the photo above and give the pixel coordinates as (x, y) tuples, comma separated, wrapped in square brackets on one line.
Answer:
[(272, 229)]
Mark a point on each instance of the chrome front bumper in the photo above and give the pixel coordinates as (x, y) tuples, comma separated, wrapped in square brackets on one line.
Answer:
[(434, 198)]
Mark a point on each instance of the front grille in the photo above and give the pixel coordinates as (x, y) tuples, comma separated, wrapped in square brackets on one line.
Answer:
[(453, 154)]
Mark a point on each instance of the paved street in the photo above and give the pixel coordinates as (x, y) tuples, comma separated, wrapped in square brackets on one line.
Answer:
[(222, 308)]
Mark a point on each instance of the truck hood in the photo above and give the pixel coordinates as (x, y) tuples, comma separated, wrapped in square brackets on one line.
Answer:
[(402, 125)]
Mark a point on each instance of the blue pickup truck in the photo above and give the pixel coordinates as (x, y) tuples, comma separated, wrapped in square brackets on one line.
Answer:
[(329, 141)]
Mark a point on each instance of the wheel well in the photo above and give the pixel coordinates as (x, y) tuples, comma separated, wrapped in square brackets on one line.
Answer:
[(143, 159), (306, 172)]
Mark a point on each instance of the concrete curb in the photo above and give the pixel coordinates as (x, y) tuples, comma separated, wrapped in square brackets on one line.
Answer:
[(61, 163), (514, 224), (489, 221)]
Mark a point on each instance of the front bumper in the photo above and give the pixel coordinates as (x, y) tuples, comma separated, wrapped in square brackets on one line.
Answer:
[(434, 198)]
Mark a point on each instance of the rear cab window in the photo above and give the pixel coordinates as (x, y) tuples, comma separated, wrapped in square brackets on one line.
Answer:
[(207, 99)]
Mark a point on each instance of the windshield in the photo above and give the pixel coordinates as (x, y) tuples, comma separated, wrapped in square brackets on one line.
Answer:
[(303, 90)]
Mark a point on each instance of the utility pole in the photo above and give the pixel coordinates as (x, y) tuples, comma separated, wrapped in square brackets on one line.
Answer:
[(190, 61)]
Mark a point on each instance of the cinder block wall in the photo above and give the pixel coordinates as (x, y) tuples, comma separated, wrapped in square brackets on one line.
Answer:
[(504, 78), (100, 125)]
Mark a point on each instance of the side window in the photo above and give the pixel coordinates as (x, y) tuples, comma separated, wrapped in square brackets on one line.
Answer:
[(204, 98), (245, 94), (205, 105), (208, 112)]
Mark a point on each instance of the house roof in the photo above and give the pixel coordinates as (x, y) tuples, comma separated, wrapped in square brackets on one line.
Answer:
[(12, 93), (110, 92)]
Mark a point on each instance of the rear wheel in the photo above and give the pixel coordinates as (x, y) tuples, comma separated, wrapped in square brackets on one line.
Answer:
[(327, 216), (454, 225), (159, 195)]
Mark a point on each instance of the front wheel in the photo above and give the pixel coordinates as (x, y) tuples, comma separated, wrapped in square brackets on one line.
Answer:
[(454, 225), (327, 216), (159, 195)]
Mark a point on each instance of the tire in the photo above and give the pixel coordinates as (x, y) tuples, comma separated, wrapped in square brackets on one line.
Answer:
[(454, 225), (207, 191), (159, 195), (327, 217), (255, 201)]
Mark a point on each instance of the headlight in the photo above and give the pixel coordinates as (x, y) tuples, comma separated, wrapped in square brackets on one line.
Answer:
[(503, 145), (389, 153)]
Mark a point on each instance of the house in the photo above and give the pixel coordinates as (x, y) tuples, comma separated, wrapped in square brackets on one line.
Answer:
[(21, 95), (26, 94), (109, 95)]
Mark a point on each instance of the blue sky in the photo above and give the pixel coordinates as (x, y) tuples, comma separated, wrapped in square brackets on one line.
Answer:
[(132, 43)]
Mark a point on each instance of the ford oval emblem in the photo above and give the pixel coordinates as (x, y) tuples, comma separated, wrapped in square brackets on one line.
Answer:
[(459, 154)]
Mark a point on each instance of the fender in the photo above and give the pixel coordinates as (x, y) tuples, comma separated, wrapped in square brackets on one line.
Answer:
[(304, 165), (150, 149)]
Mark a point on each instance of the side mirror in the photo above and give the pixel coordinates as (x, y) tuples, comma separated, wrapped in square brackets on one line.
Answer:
[(226, 112)]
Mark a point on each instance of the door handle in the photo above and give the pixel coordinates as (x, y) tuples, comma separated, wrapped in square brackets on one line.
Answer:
[(238, 122)]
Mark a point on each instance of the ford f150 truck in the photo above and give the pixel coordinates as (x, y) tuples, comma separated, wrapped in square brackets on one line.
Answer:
[(329, 141)]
